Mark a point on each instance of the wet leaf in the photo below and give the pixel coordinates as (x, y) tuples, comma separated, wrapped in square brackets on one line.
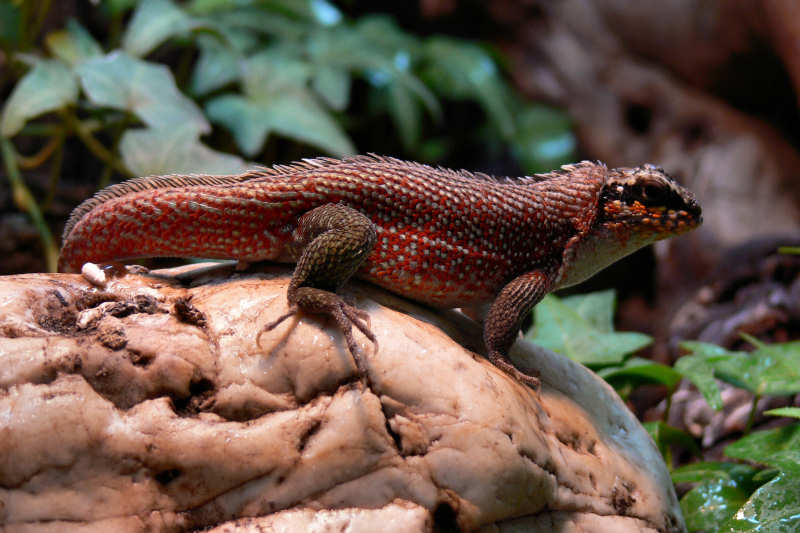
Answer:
[(772, 369), (761, 446), (710, 504), (774, 507)]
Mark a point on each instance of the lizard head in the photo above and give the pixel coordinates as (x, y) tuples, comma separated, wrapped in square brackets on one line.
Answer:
[(637, 207), (646, 203)]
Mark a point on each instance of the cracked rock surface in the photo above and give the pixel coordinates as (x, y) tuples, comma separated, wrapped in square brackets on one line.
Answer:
[(151, 404)]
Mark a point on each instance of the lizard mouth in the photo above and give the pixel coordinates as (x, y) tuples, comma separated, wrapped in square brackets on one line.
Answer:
[(666, 220)]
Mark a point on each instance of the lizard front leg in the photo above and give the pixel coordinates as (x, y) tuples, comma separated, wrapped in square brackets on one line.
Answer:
[(333, 240), (501, 327)]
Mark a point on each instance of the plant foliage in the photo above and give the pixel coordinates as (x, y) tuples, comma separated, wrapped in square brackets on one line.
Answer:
[(258, 69), (760, 493)]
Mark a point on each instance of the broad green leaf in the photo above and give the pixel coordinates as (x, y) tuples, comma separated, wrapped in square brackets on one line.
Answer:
[(597, 308), (243, 119), (74, 44), (294, 114), (153, 22), (333, 85), (699, 370), (578, 328), (174, 150), (217, 65), (543, 139), (263, 22), (772, 369), (462, 70), (48, 86), (274, 72), (710, 504), (713, 470), (761, 446), (775, 507), (375, 49), (640, 370), (665, 436), (793, 412), (148, 90), (406, 113)]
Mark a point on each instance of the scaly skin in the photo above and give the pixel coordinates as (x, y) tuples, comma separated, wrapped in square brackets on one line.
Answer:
[(441, 237)]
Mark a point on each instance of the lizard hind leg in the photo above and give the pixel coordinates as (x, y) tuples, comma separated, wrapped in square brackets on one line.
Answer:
[(333, 240)]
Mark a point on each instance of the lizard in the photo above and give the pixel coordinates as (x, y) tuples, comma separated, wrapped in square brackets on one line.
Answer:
[(442, 237)]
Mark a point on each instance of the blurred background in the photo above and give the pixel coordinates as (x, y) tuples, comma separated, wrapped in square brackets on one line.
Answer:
[(94, 92)]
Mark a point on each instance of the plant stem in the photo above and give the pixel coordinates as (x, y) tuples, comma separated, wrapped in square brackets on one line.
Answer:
[(25, 201), (670, 392), (94, 146), (36, 27), (55, 174), (42, 155), (752, 416)]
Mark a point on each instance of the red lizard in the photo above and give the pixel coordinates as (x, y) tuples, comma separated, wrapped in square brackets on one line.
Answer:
[(442, 237)]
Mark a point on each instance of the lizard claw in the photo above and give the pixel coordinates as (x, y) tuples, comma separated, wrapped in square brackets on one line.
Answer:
[(502, 362)]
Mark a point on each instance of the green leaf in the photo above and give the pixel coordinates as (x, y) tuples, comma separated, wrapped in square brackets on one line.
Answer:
[(463, 70), (148, 90), (375, 49), (48, 86), (793, 412), (543, 139), (637, 371), (10, 24), (273, 72), (761, 446), (699, 370), (153, 22), (775, 507), (333, 85), (406, 113), (174, 150), (294, 114), (580, 327), (712, 470), (118, 6), (217, 66), (665, 436), (772, 369), (710, 504), (74, 44)]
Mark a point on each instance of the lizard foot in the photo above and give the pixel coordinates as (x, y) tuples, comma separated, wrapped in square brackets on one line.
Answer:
[(323, 302), (502, 362)]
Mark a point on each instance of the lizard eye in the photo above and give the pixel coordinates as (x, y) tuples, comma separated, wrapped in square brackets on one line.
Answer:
[(654, 194)]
